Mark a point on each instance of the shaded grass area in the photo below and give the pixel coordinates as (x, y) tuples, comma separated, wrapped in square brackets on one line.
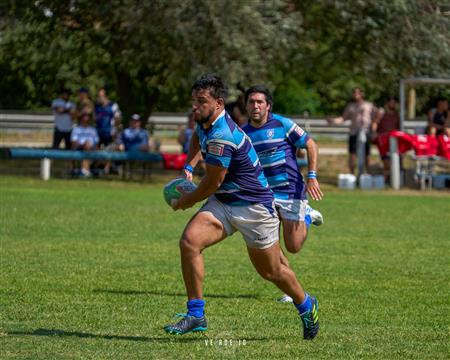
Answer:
[(90, 269)]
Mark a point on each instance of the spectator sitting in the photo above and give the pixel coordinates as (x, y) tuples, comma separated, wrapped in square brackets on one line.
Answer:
[(84, 137), (439, 122), (63, 110), (134, 138), (185, 134), (386, 120)]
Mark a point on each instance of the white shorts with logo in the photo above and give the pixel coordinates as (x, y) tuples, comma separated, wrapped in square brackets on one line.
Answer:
[(293, 209), (257, 225)]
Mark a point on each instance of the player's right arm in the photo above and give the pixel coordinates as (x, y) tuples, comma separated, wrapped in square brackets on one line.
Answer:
[(208, 185), (193, 156)]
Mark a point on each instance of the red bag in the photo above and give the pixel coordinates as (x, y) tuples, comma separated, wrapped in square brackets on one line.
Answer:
[(425, 145), (443, 146), (174, 161)]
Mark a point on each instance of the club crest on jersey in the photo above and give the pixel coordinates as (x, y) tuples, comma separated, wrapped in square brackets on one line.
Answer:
[(216, 149), (299, 130), (270, 133)]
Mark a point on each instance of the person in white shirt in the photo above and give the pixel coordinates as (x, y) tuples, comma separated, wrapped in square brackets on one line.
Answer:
[(361, 113), (84, 137)]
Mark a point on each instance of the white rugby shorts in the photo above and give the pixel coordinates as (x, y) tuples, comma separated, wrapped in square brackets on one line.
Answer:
[(292, 210), (256, 223)]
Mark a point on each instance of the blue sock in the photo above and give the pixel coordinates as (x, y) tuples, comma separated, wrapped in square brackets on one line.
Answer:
[(306, 305), (308, 221), (196, 308)]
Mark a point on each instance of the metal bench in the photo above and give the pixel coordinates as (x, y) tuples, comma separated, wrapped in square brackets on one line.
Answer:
[(45, 155)]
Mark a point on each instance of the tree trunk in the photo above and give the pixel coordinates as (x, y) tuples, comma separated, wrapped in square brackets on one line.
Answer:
[(126, 101)]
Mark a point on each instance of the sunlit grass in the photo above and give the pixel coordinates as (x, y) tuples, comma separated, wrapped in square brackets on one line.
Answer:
[(91, 270)]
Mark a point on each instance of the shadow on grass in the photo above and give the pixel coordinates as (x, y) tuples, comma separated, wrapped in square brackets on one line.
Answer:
[(160, 339), (163, 293), (64, 333)]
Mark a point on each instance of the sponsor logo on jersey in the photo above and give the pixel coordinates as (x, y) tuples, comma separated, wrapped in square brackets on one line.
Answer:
[(217, 135), (215, 149), (299, 130), (270, 133)]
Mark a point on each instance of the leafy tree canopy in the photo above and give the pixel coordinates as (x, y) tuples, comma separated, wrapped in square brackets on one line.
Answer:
[(147, 54)]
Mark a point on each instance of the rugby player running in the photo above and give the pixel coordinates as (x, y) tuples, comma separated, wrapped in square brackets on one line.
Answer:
[(239, 199), (276, 140)]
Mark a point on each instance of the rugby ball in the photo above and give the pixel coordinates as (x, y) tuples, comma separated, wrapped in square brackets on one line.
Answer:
[(170, 189)]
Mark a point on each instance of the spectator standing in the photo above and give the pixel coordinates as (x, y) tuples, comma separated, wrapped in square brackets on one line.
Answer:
[(107, 117), (134, 138), (63, 109), (84, 103), (84, 137), (386, 121), (185, 134), (361, 113)]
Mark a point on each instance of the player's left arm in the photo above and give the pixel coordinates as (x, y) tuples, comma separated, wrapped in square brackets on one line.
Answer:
[(208, 185), (312, 184), (296, 136)]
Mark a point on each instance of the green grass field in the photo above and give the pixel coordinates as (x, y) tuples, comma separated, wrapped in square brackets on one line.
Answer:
[(90, 270)]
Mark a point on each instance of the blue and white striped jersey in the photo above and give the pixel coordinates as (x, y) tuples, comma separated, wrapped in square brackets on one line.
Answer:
[(82, 135), (276, 143), (224, 144)]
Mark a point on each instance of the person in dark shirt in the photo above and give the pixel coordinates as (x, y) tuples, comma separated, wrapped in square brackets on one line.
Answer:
[(386, 121), (439, 121)]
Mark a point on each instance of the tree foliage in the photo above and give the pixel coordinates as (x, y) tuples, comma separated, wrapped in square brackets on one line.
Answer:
[(372, 44), (310, 52)]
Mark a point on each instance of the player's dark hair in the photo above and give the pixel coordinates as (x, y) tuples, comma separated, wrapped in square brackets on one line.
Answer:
[(214, 84), (260, 89)]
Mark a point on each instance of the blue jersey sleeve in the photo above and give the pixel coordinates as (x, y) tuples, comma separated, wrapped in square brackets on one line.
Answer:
[(219, 153), (294, 133)]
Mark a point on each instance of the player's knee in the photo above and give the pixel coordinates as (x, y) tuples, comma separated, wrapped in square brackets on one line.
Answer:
[(187, 245)]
